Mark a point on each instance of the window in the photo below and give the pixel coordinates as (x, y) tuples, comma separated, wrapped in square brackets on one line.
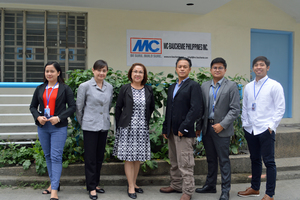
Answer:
[(29, 39)]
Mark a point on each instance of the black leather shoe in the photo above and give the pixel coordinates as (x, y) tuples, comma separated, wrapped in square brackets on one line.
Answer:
[(53, 199), (206, 189), (93, 196), (100, 190), (139, 190), (224, 196), (132, 195)]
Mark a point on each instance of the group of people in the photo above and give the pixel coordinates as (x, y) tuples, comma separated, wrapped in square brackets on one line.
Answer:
[(133, 110), (212, 107)]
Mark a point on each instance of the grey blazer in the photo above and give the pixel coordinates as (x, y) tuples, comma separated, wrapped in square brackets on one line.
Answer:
[(227, 107), (93, 105)]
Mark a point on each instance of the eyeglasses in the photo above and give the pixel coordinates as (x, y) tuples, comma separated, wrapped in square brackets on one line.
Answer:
[(138, 72), (218, 68)]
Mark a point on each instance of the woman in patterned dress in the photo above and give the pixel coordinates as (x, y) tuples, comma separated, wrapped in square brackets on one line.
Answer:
[(133, 110)]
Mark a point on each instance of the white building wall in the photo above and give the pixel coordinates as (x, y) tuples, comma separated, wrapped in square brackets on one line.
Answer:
[(229, 26)]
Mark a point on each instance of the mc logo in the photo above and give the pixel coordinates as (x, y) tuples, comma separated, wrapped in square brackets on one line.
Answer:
[(146, 45)]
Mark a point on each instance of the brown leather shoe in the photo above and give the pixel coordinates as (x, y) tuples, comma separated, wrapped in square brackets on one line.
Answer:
[(249, 192), (267, 197), (168, 190), (185, 197)]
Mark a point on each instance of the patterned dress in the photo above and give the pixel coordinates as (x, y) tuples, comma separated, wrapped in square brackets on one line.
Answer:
[(132, 143)]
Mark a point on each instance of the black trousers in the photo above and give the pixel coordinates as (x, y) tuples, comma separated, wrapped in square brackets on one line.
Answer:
[(262, 146), (94, 147), (217, 148)]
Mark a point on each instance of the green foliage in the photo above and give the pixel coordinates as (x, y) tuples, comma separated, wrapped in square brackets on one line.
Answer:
[(38, 185), (238, 139), (152, 164), (40, 162), (14, 154)]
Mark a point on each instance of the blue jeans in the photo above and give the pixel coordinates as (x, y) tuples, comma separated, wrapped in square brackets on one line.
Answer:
[(53, 141), (262, 146)]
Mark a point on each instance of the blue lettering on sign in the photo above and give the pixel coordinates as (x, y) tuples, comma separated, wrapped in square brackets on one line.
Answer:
[(147, 45)]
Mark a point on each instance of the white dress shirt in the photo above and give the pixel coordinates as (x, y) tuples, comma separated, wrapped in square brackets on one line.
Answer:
[(269, 109)]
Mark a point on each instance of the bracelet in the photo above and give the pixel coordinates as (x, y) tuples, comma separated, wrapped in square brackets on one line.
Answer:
[(58, 119)]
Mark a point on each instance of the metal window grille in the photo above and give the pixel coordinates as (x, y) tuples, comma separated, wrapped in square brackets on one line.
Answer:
[(29, 39)]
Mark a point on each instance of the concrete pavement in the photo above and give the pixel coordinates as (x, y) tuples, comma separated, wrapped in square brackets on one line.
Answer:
[(285, 190)]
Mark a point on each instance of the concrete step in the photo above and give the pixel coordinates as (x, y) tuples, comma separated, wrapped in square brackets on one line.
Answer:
[(287, 141), (19, 136), (113, 173), (120, 180), (14, 108), (26, 91), (16, 117), (17, 127), (239, 163), (15, 98)]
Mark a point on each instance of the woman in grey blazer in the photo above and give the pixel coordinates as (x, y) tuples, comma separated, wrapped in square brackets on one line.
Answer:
[(93, 103)]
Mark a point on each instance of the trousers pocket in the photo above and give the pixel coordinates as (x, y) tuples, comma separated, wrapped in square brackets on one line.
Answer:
[(187, 159)]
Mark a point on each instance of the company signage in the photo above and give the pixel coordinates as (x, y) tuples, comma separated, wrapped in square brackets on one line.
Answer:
[(162, 48)]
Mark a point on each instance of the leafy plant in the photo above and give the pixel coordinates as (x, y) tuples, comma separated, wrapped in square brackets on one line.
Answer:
[(40, 162), (41, 185)]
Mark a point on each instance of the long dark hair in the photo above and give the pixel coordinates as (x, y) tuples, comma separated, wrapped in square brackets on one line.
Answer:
[(58, 69)]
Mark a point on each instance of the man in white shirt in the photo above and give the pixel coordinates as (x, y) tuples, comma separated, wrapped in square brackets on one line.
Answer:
[(263, 108)]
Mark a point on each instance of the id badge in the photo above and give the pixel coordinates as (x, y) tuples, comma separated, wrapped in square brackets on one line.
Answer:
[(253, 106), (47, 113)]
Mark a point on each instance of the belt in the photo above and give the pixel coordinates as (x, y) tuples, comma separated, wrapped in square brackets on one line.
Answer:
[(211, 121)]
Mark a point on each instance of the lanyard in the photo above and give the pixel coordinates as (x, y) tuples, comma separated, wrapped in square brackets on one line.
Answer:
[(48, 97), (259, 89), (215, 95)]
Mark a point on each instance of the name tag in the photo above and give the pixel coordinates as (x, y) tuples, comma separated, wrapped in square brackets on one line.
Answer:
[(47, 112), (253, 106)]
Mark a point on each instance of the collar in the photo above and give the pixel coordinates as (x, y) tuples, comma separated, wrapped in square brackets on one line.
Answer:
[(181, 81), (220, 82), (95, 83), (261, 80)]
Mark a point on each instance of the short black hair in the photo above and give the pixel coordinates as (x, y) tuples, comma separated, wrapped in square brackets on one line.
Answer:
[(184, 58), (99, 64), (218, 60), (261, 58)]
